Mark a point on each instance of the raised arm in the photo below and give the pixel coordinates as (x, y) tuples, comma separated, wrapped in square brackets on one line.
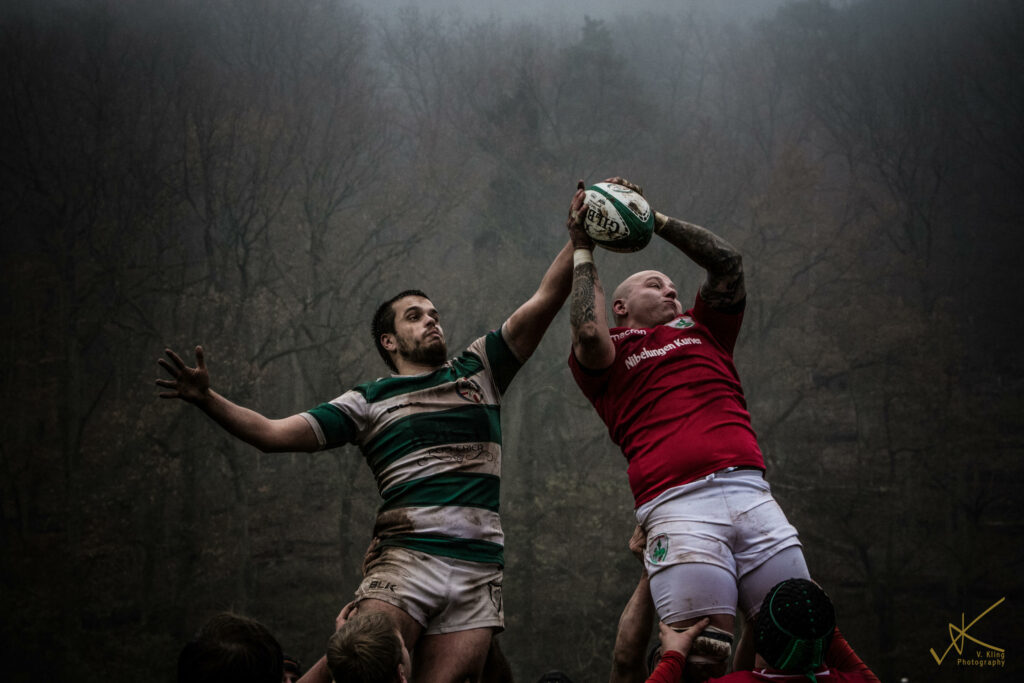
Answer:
[(193, 385), (588, 319), (525, 328), (724, 284), (628, 657)]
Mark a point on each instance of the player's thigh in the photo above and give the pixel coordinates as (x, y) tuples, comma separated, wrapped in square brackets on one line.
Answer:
[(683, 593), (788, 563), (452, 657), (409, 627)]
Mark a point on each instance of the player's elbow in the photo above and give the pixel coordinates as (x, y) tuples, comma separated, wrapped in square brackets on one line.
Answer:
[(628, 664), (593, 348), (286, 436), (267, 445), (728, 263)]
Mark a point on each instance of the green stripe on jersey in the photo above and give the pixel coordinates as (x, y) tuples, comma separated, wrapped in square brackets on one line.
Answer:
[(382, 389), (471, 423), (338, 428), (460, 489), (458, 548), (504, 364)]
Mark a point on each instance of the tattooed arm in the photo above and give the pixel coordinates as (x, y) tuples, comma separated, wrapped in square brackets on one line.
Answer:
[(724, 284), (591, 342)]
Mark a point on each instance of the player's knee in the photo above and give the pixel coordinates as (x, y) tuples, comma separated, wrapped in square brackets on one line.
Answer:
[(709, 656)]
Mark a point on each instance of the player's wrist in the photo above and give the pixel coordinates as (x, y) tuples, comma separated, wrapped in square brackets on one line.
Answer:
[(660, 221), (582, 255)]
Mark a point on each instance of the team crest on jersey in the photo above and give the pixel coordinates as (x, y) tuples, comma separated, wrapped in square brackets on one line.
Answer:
[(657, 549), (682, 322), (468, 390)]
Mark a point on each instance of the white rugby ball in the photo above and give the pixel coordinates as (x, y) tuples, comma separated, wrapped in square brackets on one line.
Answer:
[(617, 218)]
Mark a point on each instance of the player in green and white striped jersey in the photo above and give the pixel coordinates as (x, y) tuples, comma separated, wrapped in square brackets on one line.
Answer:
[(431, 434), (433, 442)]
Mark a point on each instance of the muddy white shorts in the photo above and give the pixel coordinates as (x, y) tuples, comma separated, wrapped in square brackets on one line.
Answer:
[(716, 542), (442, 594)]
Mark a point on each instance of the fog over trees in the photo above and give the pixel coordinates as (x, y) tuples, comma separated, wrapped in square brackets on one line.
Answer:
[(256, 176)]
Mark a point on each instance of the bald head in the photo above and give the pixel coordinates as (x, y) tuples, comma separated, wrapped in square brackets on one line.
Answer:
[(645, 299), (634, 280)]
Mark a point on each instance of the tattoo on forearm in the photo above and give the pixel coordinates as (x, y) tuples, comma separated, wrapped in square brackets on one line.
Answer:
[(720, 259), (584, 286)]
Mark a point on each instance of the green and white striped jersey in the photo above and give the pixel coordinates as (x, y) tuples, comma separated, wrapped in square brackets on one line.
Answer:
[(433, 442)]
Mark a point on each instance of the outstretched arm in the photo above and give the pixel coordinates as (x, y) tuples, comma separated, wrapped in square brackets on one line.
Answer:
[(628, 665), (193, 385), (724, 284), (525, 328), (591, 341)]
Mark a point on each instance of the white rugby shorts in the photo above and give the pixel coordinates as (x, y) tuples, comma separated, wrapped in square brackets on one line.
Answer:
[(710, 543), (442, 594)]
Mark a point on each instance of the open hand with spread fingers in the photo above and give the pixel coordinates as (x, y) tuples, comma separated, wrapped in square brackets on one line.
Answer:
[(188, 384)]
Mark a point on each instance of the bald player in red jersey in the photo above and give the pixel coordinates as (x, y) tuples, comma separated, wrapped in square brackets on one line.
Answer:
[(663, 381)]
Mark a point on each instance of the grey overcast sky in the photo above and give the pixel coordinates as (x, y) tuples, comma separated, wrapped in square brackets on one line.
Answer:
[(558, 9)]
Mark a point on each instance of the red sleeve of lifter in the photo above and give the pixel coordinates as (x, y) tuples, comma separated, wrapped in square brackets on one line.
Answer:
[(842, 658), (669, 669)]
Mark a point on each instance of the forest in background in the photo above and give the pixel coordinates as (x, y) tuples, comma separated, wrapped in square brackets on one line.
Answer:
[(256, 176)]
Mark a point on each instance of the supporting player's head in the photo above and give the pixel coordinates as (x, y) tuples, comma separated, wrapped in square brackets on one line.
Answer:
[(794, 627), (645, 299), (368, 648), (231, 649), (408, 326), (292, 669)]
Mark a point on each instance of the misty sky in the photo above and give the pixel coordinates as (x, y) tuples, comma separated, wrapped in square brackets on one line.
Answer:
[(559, 9)]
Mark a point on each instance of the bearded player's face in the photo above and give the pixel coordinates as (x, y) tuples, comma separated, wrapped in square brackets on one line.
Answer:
[(418, 332)]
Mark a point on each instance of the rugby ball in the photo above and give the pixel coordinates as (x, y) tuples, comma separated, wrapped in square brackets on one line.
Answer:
[(617, 218)]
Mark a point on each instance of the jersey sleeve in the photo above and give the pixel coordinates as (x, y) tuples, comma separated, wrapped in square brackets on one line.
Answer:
[(337, 422), (497, 356), (840, 656), (669, 669), (724, 325), (591, 382)]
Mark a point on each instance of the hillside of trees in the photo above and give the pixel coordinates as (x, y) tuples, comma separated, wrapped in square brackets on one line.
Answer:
[(256, 176)]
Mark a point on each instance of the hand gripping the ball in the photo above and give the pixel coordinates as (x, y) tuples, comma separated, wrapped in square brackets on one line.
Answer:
[(617, 180), (659, 218), (574, 223)]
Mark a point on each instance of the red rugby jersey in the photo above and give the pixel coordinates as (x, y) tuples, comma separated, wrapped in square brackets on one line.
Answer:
[(672, 400)]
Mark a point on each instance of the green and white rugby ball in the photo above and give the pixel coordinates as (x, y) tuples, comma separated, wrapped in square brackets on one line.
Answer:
[(617, 218)]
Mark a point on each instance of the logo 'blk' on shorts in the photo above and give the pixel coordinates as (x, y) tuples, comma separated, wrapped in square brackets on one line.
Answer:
[(442, 594)]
